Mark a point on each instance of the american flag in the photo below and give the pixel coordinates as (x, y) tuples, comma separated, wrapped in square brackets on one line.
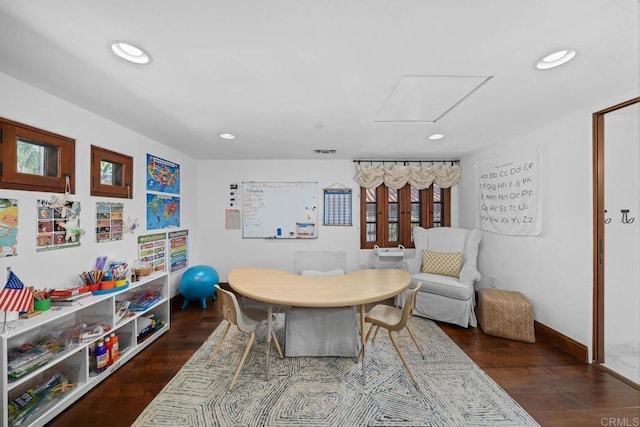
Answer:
[(15, 296)]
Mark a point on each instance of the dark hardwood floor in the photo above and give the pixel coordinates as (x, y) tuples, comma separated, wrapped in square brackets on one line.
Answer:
[(553, 386)]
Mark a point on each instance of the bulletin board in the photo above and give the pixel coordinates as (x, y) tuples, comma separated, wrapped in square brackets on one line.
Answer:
[(279, 210)]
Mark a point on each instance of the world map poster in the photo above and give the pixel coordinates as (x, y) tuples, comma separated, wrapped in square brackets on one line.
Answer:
[(162, 211), (162, 175)]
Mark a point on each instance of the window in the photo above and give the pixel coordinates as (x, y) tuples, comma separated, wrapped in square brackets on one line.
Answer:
[(111, 173), (388, 216), (35, 160)]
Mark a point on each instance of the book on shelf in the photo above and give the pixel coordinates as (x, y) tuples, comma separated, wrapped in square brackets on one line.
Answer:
[(70, 300)]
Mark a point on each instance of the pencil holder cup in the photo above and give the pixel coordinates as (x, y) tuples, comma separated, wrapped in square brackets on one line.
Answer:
[(42, 304)]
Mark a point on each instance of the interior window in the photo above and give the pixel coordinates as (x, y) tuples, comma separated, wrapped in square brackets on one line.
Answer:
[(34, 159)]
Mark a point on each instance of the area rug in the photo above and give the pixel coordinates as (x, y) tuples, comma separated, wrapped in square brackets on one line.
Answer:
[(306, 391)]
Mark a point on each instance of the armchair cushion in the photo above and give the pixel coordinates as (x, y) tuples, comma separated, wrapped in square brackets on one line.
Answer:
[(442, 285), (444, 263)]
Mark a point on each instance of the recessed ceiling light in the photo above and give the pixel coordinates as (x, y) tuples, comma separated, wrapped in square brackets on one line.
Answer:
[(227, 136), (436, 136), (555, 59), (129, 52)]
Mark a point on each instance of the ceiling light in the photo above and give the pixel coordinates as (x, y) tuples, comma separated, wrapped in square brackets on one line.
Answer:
[(129, 52), (436, 136), (324, 151), (227, 136), (555, 59)]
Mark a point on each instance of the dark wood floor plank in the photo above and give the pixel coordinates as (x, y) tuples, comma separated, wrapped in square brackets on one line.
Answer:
[(553, 386)]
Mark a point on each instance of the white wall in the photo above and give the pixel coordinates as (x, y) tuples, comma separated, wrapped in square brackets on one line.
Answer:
[(60, 268), (225, 249), (553, 269)]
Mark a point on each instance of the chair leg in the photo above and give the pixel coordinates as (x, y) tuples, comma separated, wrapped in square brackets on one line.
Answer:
[(366, 340), (244, 357), (404, 362), (376, 333), (215, 351), (277, 344), (415, 341)]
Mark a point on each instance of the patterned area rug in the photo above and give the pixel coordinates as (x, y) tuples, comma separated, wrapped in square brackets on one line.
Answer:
[(328, 391)]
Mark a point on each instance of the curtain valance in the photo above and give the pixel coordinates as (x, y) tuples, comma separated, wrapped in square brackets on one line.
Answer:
[(397, 176)]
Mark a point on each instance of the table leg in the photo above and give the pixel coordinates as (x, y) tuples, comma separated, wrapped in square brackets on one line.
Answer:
[(269, 329), (363, 341)]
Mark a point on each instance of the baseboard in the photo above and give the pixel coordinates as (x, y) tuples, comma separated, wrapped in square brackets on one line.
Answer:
[(562, 341)]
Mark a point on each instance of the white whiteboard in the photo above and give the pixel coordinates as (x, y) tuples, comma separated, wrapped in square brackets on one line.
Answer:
[(279, 210)]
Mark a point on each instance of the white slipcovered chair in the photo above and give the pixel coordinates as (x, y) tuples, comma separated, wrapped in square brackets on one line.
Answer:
[(311, 331), (445, 295)]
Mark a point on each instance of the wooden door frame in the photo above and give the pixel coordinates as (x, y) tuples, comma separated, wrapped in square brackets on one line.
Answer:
[(598, 228)]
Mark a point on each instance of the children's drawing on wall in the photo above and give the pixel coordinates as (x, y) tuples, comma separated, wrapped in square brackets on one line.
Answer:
[(8, 227), (162, 211), (162, 175), (109, 222), (130, 225), (58, 224)]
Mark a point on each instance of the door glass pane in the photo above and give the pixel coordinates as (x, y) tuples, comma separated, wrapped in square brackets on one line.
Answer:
[(371, 212), (393, 232), (415, 195), (35, 158), (371, 232), (393, 212), (371, 195), (415, 212), (436, 193), (111, 173), (437, 214)]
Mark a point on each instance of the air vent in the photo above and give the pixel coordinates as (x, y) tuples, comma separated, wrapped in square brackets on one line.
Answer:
[(317, 151)]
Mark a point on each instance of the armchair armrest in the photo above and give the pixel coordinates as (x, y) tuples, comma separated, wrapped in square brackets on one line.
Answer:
[(412, 265), (469, 274)]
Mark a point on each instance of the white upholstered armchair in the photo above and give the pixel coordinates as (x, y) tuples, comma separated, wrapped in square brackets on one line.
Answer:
[(445, 263)]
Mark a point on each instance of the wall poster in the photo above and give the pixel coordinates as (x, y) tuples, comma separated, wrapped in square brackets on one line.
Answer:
[(509, 193), (162, 175), (162, 211), (58, 225), (109, 222), (8, 227), (337, 206), (178, 246), (152, 248)]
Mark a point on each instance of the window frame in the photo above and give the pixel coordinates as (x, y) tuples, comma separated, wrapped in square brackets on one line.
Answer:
[(11, 179), (98, 155), (404, 215)]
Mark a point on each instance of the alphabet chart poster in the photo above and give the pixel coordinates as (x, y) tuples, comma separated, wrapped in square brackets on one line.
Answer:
[(508, 194)]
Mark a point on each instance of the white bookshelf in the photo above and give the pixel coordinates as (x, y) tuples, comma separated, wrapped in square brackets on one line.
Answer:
[(76, 360)]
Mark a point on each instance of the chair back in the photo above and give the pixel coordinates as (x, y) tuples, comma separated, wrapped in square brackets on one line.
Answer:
[(448, 239), (318, 262), (228, 305), (409, 305)]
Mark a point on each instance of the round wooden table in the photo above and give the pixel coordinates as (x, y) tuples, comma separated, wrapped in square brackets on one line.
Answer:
[(280, 287)]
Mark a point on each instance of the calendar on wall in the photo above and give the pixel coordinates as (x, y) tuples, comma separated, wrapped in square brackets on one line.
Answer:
[(337, 206)]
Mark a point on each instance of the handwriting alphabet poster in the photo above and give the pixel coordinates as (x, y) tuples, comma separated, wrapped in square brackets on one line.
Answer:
[(509, 193)]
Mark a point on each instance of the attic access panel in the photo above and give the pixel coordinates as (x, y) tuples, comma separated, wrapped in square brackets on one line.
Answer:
[(427, 98)]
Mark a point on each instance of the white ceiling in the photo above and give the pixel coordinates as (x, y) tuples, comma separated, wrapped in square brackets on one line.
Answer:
[(291, 76)]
